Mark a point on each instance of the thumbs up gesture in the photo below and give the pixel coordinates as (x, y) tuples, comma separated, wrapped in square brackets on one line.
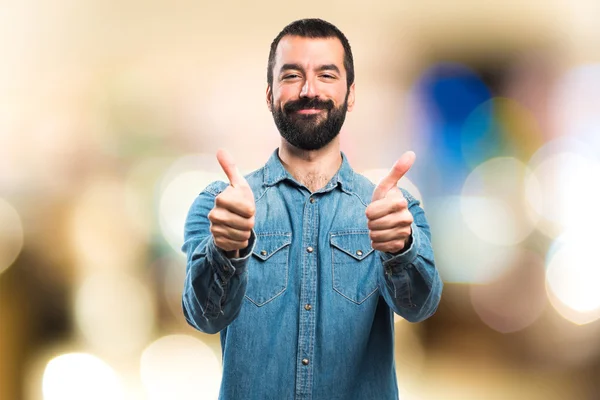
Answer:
[(232, 217), (388, 217)]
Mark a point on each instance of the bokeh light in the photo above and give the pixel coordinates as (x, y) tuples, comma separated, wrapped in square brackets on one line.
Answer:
[(499, 127), (575, 105), (461, 255), (493, 201), (567, 175), (105, 227), (180, 367), (515, 299), (572, 276), (77, 376), (444, 96), (181, 184), (11, 235), (114, 312)]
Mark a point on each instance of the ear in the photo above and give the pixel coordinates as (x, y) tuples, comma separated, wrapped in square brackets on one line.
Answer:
[(269, 96), (351, 97)]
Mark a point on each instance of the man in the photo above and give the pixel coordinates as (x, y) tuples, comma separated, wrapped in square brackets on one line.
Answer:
[(301, 264)]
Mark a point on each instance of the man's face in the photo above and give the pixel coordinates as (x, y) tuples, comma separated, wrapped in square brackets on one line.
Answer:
[(309, 96)]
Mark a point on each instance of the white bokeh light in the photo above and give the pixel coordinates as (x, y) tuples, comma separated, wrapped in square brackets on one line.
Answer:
[(77, 376), (11, 235), (180, 367), (567, 174), (114, 312), (573, 271), (493, 201), (461, 255), (182, 183), (574, 105)]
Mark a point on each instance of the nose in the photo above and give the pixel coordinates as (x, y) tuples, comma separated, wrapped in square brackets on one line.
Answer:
[(308, 89)]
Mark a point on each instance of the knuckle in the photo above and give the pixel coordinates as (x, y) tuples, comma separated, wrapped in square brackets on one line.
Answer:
[(215, 215), (248, 210)]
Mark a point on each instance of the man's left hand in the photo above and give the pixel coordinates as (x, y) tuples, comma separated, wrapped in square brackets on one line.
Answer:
[(389, 219)]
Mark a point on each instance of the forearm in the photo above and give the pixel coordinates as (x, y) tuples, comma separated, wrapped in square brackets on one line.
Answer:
[(409, 281), (214, 287)]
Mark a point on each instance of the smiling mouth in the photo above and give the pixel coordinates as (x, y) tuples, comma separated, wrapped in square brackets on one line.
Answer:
[(309, 111)]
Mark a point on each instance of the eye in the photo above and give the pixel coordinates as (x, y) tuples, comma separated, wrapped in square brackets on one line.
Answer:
[(328, 76), (290, 76)]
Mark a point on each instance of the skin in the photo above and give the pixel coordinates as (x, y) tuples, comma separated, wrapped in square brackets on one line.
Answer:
[(306, 67), (319, 73)]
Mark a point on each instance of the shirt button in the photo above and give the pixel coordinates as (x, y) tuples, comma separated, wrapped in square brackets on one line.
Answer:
[(308, 307), (310, 249), (263, 253), (359, 253), (312, 200), (305, 361)]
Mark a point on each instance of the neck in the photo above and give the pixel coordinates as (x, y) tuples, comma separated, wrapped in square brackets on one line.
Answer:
[(313, 168)]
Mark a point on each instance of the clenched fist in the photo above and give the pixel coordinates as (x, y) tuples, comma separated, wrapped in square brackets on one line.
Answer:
[(232, 217), (389, 219)]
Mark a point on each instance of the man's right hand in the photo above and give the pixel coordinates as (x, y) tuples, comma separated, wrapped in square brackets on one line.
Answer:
[(232, 217)]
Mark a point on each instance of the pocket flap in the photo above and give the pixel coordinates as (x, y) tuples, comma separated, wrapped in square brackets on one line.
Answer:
[(268, 244), (355, 244)]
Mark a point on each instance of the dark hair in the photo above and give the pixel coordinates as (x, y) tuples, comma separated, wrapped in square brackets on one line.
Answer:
[(313, 28)]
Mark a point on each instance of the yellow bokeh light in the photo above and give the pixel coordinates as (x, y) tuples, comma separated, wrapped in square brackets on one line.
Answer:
[(114, 312), (11, 235), (180, 367), (77, 376), (106, 229), (493, 201)]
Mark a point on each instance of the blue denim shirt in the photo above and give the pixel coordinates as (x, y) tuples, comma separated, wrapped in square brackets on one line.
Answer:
[(306, 312)]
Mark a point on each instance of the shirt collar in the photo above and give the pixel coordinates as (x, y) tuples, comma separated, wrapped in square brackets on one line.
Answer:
[(275, 172)]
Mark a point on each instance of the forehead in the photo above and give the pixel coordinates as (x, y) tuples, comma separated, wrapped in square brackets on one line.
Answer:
[(309, 52)]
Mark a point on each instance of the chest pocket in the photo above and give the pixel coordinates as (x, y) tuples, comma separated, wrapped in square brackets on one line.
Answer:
[(268, 267), (354, 272)]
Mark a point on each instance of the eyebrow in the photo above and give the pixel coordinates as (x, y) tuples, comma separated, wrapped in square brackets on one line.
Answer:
[(325, 67)]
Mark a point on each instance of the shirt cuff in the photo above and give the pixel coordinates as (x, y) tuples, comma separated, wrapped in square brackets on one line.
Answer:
[(394, 263), (227, 267)]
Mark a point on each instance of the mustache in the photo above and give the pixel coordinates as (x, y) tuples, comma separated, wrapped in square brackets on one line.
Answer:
[(305, 103)]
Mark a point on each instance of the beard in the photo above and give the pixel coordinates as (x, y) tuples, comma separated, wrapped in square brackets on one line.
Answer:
[(309, 131)]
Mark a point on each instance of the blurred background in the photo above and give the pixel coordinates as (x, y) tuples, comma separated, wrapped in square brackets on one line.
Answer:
[(111, 113)]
